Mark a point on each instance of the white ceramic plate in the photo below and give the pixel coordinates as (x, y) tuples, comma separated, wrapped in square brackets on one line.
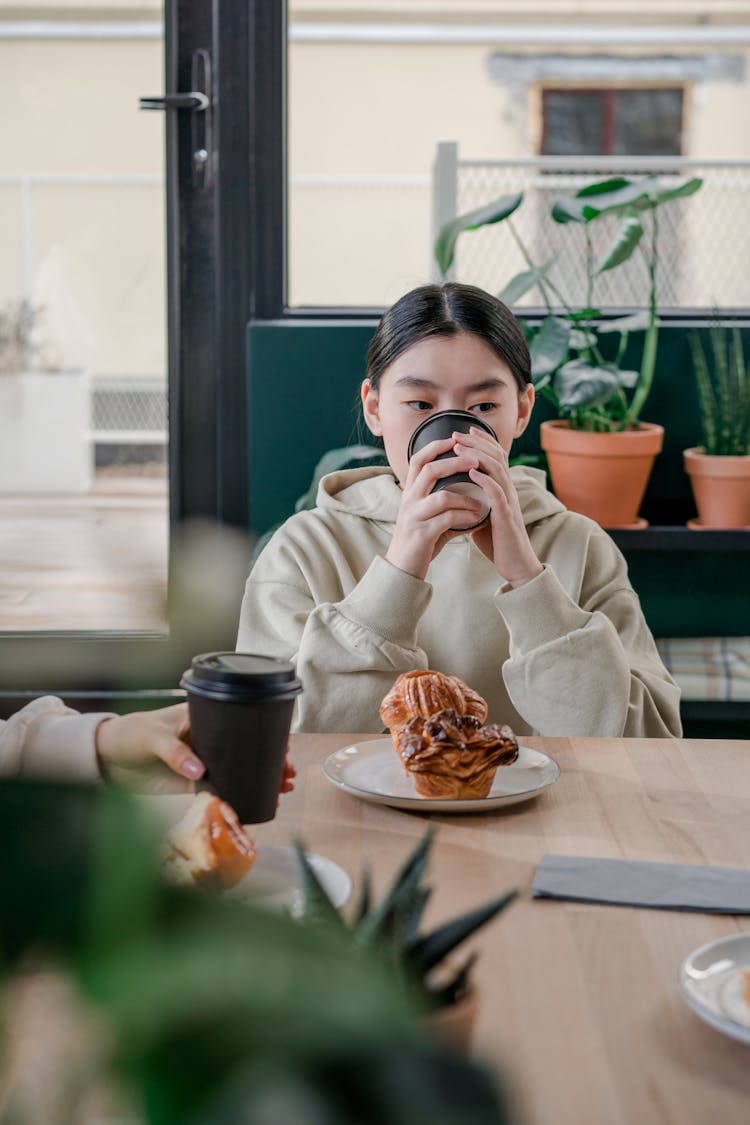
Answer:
[(274, 880), (711, 982), (373, 771)]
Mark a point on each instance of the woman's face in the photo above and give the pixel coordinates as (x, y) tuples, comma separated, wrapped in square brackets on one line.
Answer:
[(458, 372)]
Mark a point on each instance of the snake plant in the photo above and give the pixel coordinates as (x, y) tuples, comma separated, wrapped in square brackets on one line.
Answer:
[(723, 392)]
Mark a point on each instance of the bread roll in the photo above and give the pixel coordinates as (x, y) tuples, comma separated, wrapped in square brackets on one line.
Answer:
[(209, 846)]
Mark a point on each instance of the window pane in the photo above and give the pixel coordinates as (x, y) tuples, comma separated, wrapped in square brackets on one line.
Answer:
[(573, 122), (648, 122), (83, 485)]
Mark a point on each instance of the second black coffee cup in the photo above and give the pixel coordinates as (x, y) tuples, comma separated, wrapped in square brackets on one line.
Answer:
[(439, 426), (240, 714)]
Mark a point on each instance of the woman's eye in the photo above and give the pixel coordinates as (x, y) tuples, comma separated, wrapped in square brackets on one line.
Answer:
[(419, 404), (483, 407)]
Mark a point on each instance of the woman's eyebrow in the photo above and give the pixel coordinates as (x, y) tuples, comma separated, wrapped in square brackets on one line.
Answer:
[(419, 381), (414, 381)]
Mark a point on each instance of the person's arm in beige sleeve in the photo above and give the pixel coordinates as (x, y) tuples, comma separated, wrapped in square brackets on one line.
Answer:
[(590, 668), (46, 739), (347, 653)]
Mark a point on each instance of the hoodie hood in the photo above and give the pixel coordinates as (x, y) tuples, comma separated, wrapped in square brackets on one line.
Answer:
[(372, 493)]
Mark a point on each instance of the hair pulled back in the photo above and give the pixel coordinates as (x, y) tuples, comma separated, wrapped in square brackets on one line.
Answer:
[(445, 310)]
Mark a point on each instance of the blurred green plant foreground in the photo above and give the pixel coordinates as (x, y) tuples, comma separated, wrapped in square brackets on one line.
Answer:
[(197, 1008)]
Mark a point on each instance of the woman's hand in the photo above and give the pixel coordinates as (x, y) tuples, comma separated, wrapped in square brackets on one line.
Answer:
[(149, 749), (425, 518), (503, 537)]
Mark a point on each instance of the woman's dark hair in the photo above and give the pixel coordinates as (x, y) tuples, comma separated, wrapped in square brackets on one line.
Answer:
[(445, 310)]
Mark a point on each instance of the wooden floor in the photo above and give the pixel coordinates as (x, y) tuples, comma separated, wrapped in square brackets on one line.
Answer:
[(97, 561)]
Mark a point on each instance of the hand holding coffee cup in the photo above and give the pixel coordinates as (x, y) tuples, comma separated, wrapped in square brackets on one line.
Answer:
[(240, 715), (439, 427)]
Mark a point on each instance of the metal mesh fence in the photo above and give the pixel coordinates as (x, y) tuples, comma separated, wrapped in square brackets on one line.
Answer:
[(703, 240), (132, 408)]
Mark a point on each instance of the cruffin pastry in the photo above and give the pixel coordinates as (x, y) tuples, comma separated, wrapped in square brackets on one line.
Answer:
[(436, 726), (208, 846), (423, 692)]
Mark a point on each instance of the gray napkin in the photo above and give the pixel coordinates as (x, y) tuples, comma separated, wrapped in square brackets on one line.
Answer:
[(626, 882)]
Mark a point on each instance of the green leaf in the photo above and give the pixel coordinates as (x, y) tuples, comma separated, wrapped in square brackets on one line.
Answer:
[(317, 904), (577, 384), (495, 212), (628, 235), (386, 916), (638, 322), (603, 187), (567, 209), (429, 951), (625, 377), (550, 346), (524, 281), (680, 190), (584, 314), (581, 339)]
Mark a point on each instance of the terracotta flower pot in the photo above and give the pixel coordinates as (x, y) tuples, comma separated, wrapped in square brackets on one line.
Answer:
[(721, 487), (603, 476)]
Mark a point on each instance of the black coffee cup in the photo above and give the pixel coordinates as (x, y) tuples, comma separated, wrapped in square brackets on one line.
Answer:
[(437, 427), (240, 715)]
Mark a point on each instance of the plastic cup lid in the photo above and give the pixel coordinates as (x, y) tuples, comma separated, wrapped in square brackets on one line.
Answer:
[(243, 670)]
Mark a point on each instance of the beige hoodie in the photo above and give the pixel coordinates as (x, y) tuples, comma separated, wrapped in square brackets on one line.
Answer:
[(568, 653), (49, 740)]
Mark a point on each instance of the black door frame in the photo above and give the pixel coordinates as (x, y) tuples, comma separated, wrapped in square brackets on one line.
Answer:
[(225, 266)]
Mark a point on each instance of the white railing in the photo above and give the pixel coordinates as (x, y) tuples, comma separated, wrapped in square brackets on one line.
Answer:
[(704, 240)]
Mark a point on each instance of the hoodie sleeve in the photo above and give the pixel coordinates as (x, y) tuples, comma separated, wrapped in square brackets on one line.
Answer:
[(49, 740), (347, 652), (587, 667)]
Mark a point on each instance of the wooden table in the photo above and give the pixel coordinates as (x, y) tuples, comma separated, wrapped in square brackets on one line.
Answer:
[(580, 1009)]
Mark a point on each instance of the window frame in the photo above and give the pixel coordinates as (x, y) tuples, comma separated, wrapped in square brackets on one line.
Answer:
[(223, 269)]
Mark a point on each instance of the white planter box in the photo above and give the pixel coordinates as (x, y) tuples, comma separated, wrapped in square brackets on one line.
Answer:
[(44, 424)]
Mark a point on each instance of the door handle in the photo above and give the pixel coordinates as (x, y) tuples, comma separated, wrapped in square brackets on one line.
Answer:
[(198, 101), (194, 100)]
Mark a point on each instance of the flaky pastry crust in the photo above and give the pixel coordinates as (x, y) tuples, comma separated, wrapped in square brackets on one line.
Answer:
[(424, 693), (453, 757)]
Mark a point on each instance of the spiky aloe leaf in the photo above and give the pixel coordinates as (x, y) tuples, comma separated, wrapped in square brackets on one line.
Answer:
[(428, 951), (386, 917), (453, 988), (318, 905), (489, 213), (364, 902)]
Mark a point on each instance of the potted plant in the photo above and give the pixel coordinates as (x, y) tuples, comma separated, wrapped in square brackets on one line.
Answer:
[(421, 963), (188, 1006), (600, 453), (44, 444), (719, 469)]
